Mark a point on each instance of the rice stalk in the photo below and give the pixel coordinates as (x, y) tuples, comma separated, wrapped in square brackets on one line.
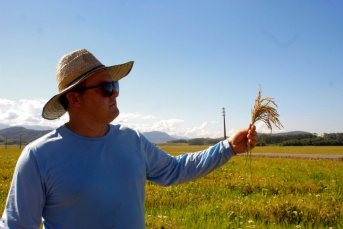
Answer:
[(265, 112)]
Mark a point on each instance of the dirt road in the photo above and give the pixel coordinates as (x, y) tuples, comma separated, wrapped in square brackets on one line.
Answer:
[(304, 156)]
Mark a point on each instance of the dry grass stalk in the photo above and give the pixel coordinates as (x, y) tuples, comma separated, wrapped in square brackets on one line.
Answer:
[(263, 111)]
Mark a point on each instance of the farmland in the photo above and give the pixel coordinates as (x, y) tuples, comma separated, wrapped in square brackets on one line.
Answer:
[(180, 148), (273, 193)]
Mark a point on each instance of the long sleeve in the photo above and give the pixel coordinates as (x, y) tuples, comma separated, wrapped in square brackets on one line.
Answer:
[(77, 182), (167, 170), (25, 201)]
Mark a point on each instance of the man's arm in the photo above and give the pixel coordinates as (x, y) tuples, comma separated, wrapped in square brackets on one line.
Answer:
[(26, 199), (167, 170)]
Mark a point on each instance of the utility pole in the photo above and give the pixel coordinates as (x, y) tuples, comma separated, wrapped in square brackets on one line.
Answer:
[(20, 142), (6, 143), (224, 123)]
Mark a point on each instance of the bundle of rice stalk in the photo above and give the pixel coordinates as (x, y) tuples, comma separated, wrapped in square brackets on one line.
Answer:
[(263, 111)]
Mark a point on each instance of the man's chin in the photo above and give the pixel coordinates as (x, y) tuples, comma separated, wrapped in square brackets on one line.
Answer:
[(115, 114)]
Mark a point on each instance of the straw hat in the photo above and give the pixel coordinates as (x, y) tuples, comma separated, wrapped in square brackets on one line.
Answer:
[(72, 69)]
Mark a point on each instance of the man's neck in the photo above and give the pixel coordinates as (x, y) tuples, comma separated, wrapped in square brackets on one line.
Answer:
[(88, 130)]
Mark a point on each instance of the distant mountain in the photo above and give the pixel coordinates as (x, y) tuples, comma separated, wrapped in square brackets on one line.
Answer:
[(27, 135), (293, 133), (158, 137), (179, 137), (3, 126), (38, 127)]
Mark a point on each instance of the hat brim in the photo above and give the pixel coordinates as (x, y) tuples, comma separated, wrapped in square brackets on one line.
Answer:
[(53, 109)]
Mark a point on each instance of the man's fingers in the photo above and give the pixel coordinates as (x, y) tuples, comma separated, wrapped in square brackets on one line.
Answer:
[(240, 135), (252, 131), (252, 128), (252, 143), (240, 139), (252, 136)]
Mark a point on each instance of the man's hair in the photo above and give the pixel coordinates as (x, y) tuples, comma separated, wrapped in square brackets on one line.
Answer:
[(64, 101)]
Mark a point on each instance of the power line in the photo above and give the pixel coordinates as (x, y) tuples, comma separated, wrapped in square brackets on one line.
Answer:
[(224, 123)]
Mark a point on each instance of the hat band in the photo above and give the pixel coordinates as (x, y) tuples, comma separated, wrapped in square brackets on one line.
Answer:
[(87, 73)]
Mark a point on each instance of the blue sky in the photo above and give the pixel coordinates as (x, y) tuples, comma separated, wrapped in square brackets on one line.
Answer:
[(191, 59)]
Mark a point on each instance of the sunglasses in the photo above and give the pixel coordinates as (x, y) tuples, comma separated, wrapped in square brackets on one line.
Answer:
[(107, 87)]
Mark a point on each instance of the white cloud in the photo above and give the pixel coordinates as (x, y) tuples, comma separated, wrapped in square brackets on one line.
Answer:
[(172, 127), (261, 127), (127, 117), (196, 130), (230, 132), (28, 113), (6, 104), (164, 125), (167, 125), (149, 117)]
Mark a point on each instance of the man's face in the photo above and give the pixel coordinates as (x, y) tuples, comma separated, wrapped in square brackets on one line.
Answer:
[(94, 104)]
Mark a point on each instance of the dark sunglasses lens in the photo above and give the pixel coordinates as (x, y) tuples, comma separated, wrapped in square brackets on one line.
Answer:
[(116, 85), (108, 88)]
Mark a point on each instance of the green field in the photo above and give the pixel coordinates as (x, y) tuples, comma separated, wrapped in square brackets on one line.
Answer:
[(8, 160), (274, 193), (329, 150), (181, 148)]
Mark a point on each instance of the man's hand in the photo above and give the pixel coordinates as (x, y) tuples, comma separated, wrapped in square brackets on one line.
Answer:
[(239, 140)]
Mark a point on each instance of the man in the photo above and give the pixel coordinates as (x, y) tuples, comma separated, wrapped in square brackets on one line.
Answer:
[(90, 174)]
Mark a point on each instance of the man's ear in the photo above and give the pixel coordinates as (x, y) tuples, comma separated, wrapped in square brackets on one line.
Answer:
[(74, 99)]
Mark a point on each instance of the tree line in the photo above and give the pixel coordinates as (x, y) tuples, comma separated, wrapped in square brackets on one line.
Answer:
[(319, 141), (4, 141), (331, 139), (198, 141), (15, 135), (309, 139), (306, 139)]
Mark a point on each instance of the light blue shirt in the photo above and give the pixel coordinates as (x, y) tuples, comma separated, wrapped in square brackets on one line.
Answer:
[(76, 182)]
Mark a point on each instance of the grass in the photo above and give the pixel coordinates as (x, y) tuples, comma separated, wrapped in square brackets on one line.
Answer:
[(8, 160), (328, 150), (181, 148), (275, 193), (278, 193)]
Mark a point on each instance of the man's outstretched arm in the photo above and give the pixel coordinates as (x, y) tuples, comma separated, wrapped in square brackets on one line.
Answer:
[(167, 170)]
